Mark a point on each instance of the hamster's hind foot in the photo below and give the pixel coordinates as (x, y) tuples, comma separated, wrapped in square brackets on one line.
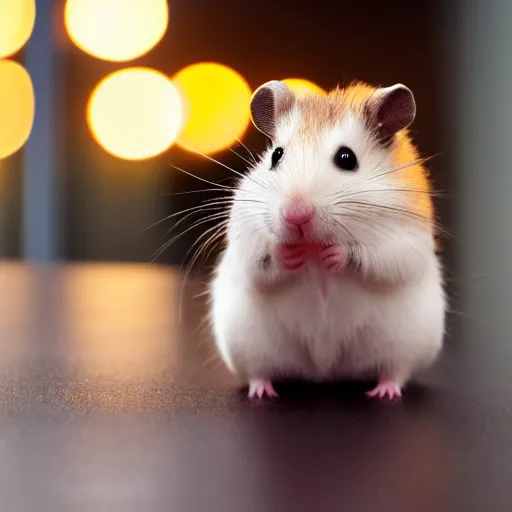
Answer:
[(386, 389), (258, 388)]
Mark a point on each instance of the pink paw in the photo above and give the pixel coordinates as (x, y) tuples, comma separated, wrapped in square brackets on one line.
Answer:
[(259, 388), (334, 258), (386, 389), (292, 257)]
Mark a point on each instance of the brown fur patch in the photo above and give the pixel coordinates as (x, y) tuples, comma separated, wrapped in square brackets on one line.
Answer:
[(321, 112)]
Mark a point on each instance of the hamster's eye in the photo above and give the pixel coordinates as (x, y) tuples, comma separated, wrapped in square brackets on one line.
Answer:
[(345, 159), (276, 156)]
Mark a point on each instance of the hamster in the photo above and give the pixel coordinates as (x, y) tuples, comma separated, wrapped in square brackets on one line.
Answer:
[(329, 270)]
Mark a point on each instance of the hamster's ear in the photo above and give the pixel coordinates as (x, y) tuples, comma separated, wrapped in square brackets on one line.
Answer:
[(391, 109), (269, 102)]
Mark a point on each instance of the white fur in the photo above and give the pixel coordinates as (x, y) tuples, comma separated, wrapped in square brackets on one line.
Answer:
[(388, 320)]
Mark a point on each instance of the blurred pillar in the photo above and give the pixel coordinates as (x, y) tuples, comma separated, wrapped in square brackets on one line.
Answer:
[(484, 150), (40, 198)]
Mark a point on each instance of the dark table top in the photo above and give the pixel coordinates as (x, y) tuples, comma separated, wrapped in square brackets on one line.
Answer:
[(110, 401)]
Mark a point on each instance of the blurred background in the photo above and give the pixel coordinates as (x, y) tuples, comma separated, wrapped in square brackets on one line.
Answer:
[(100, 99)]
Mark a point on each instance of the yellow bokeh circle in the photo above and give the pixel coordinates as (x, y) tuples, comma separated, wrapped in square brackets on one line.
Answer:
[(216, 106), (17, 19), (135, 113), (17, 106), (301, 86), (116, 30)]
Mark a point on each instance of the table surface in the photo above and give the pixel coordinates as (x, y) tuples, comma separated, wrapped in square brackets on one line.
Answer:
[(112, 398)]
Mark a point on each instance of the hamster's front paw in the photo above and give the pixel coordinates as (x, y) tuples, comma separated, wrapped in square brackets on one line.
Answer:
[(334, 258), (291, 257)]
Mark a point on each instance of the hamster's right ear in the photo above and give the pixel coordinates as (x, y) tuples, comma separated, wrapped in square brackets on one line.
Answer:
[(269, 102)]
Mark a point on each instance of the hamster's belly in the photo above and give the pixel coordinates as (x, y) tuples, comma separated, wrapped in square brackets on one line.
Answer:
[(349, 331), (327, 319)]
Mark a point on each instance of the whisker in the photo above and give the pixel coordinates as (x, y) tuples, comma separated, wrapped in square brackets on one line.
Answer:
[(229, 127), (403, 167), (392, 189), (229, 168), (187, 272), (240, 156), (191, 214), (197, 223), (395, 209), (202, 179), (212, 241), (368, 209), (377, 215), (347, 231), (247, 149), (363, 221), (218, 230), (168, 217), (233, 200), (182, 220), (204, 293), (194, 191)]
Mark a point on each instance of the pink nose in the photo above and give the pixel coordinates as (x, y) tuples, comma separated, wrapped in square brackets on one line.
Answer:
[(298, 213)]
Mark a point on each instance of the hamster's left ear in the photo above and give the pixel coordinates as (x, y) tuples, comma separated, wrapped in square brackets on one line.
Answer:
[(389, 110)]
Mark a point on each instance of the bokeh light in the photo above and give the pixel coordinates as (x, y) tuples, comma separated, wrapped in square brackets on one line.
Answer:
[(135, 113), (216, 106), (301, 86), (116, 30), (17, 105), (16, 24)]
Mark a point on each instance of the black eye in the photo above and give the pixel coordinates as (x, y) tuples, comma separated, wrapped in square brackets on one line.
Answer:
[(345, 159), (276, 156)]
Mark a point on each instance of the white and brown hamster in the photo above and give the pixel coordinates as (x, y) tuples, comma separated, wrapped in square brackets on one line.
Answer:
[(330, 270)]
